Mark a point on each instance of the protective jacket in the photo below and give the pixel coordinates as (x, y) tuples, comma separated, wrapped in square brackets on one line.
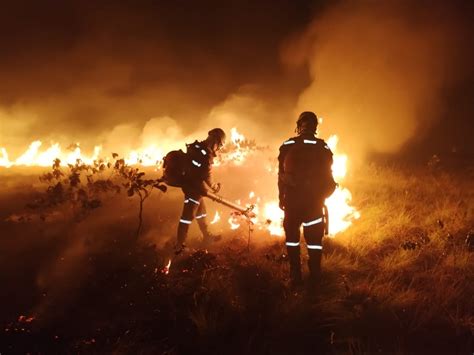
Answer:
[(305, 170), (198, 174)]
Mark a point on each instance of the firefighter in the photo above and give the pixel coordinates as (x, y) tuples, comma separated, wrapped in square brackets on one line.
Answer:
[(304, 182), (195, 184)]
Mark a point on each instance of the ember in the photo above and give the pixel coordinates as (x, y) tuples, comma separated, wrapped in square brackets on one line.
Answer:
[(166, 269)]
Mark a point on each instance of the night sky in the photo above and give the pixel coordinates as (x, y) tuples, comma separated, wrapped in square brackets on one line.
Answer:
[(74, 70)]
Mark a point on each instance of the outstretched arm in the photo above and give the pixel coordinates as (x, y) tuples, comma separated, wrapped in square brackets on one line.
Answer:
[(215, 187)]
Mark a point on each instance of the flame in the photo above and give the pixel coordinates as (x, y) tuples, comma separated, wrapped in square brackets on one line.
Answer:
[(235, 136), (34, 157), (236, 152), (146, 156), (166, 269), (28, 157), (274, 217), (26, 319), (216, 218), (234, 222), (4, 161), (149, 156), (339, 166), (341, 213)]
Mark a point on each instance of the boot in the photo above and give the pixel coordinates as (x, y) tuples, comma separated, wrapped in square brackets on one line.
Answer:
[(314, 265), (179, 248), (207, 237), (182, 233), (296, 279)]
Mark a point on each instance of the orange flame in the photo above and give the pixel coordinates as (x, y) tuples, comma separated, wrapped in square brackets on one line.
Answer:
[(216, 218), (233, 222), (166, 269), (342, 214)]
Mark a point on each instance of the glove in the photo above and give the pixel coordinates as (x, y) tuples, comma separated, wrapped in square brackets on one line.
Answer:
[(216, 187), (282, 203)]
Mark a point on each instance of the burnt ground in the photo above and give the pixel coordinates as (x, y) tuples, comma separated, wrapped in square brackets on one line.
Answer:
[(123, 301)]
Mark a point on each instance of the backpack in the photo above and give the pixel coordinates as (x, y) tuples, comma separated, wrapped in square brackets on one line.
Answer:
[(174, 168), (308, 169)]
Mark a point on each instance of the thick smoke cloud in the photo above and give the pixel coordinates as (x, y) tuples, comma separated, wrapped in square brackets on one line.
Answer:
[(72, 71), (380, 69), (243, 110), (109, 73)]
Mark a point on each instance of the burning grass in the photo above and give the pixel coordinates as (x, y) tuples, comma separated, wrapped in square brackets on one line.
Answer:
[(400, 279), (257, 164)]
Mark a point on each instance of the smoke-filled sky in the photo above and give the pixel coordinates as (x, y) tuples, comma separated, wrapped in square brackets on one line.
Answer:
[(122, 73)]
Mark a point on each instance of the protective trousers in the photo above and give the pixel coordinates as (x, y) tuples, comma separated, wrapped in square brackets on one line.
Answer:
[(193, 207), (313, 230)]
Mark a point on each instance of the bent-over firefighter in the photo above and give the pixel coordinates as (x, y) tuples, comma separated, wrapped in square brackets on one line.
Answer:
[(192, 172)]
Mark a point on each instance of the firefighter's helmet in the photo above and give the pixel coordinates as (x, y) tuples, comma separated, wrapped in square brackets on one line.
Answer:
[(217, 135), (307, 121)]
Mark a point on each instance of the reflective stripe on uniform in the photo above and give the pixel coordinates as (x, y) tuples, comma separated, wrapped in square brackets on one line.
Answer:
[(203, 152), (201, 216), (186, 201), (197, 146), (196, 163), (314, 247), (292, 244), (194, 201), (308, 141), (291, 141), (310, 223), (326, 146), (185, 221)]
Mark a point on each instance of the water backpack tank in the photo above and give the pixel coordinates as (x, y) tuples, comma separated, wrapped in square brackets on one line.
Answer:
[(174, 168)]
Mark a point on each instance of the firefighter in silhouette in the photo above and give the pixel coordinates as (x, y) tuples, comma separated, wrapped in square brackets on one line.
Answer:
[(304, 182), (197, 180)]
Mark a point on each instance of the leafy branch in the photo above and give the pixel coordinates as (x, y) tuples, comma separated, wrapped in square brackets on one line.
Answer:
[(81, 188), (135, 184)]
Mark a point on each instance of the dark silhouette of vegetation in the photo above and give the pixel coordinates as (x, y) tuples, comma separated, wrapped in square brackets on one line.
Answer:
[(135, 184), (81, 188)]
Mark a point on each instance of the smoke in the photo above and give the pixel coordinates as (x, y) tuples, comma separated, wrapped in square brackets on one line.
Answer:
[(94, 69), (15, 125), (158, 132), (378, 69), (253, 115), (246, 109)]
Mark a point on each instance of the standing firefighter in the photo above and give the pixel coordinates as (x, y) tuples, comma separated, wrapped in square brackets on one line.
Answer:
[(304, 182), (195, 181)]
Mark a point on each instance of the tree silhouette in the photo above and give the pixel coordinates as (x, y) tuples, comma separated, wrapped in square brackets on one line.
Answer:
[(81, 188)]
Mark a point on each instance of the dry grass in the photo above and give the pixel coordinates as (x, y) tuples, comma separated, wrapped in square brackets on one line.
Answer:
[(379, 293), (426, 288)]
